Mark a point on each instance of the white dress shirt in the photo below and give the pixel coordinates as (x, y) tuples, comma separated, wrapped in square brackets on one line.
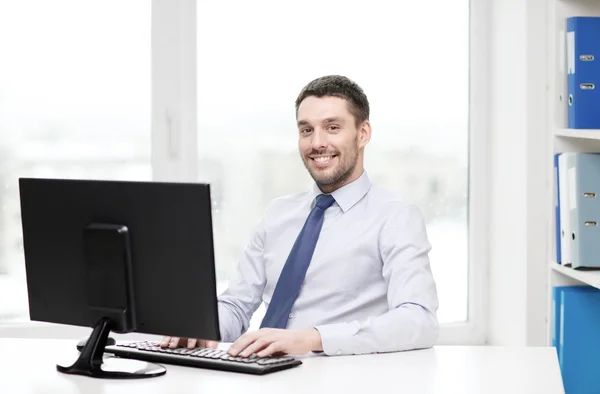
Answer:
[(369, 286)]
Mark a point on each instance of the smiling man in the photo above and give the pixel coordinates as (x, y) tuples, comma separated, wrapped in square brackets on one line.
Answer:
[(342, 268)]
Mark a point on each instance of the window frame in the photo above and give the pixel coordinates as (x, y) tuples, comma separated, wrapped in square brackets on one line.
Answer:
[(473, 331)]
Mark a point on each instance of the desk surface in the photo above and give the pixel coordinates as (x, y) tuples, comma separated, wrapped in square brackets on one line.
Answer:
[(29, 366)]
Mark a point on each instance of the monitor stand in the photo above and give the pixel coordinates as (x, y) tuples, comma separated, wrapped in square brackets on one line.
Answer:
[(91, 361)]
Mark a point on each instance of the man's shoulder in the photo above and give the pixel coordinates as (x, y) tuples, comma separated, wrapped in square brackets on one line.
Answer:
[(396, 209), (388, 199)]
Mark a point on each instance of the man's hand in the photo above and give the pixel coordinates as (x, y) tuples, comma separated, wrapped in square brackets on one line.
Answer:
[(270, 341), (175, 342)]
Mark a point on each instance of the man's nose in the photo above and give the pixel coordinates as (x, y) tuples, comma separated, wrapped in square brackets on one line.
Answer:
[(319, 140)]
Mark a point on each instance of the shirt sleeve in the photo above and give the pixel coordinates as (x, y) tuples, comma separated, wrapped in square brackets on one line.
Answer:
[(411, 322), (243, 296)]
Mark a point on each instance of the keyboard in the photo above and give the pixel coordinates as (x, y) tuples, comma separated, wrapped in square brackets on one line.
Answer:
[(202, 358)]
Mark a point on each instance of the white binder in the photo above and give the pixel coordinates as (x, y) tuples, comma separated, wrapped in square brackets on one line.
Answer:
[(565, 209)]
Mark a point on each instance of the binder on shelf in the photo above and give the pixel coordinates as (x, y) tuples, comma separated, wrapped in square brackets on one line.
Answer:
[(579, 339), (555, 318), (583, 177), (564, 209), (583, 65), (557, 230)]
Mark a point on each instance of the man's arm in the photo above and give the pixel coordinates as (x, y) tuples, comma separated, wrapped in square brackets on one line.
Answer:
[(411, 322), (243, 296)]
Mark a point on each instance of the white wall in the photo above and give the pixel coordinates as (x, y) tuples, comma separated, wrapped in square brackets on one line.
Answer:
[(520, 168)]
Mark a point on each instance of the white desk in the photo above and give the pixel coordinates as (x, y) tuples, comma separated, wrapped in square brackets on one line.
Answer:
[(29, 366)]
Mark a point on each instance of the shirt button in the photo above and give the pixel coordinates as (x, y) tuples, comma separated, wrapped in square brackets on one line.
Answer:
[(339, 352), (290, 316)]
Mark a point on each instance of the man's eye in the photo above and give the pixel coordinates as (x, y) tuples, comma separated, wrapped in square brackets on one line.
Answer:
[(304, 131), (333, 127)]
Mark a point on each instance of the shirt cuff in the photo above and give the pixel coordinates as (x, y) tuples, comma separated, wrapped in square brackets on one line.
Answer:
[(336, 339)]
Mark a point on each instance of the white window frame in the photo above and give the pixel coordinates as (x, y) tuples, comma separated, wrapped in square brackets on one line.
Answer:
[(474, 330), (174, 108), (175, 151)]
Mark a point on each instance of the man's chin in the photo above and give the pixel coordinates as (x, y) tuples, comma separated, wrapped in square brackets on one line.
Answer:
[(322, 180)]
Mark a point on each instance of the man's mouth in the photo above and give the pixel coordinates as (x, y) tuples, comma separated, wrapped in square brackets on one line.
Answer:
[(322, 161)]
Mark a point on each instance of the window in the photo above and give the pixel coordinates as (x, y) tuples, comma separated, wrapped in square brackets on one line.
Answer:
[(412, 63), (74, 103)]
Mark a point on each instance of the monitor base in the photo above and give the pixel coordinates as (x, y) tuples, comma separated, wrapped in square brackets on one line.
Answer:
[(92, 363)]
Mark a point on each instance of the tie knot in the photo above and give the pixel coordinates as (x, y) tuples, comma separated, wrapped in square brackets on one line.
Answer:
[(324, 201)]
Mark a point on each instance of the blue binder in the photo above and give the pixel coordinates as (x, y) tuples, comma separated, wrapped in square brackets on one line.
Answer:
[(579, 340), (584, 190), (557, 211), (583, 60), (555, 318)]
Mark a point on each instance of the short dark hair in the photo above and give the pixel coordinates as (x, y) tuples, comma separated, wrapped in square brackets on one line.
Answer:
[(338, 86)]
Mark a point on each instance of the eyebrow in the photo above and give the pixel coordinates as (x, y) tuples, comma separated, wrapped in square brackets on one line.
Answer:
[(334, 119)]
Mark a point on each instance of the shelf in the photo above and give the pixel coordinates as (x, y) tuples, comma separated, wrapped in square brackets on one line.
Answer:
[(591, 278), (586, 134)]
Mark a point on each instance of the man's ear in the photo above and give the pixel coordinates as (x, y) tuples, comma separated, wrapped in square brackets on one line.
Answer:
[(364, 134)]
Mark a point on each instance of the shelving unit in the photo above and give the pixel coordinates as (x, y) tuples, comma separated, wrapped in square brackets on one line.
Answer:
[(576, 277), (576, 140), (564, 139)]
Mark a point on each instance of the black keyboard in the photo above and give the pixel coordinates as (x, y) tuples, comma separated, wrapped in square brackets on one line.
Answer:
[(202, 358)]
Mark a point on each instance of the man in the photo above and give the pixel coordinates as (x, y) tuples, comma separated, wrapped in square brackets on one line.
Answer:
[(343, 268)]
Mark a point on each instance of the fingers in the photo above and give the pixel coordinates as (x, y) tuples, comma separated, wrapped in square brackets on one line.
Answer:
[(191, 343), (243, 342), (212, 344), (270, 350), (165, 342), (256, 346), (170, 342), (175, 342)]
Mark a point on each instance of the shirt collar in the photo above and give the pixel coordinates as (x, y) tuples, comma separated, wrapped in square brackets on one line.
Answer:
[(346, 196)]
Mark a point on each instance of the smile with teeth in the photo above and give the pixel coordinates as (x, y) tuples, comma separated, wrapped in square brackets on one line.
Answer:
[(322, 160)]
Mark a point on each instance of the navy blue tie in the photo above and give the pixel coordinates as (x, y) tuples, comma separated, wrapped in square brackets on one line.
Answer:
[(294, 270)]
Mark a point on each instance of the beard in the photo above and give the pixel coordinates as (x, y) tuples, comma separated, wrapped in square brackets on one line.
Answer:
[(342, 168)]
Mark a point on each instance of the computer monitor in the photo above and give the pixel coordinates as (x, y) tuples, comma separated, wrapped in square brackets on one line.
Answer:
[(120, 256)]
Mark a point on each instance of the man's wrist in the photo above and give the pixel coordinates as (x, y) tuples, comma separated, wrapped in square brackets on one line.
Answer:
[(315, 341)]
